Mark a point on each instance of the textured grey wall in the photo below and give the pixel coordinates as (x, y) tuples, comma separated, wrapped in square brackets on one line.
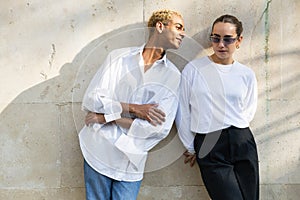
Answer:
[(49, 51)]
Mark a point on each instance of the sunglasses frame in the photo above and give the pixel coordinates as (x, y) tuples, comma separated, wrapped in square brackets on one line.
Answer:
[(226, 40)]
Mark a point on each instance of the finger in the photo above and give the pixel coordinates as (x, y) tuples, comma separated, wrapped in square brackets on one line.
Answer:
[(155, 105), (159, 112), (154, 119), (156, 116), (192, 163), (186, 160), (87, 121), (186, 153), (160, 117), (150, 120), (89, 115), (90, 118), (153, 123)]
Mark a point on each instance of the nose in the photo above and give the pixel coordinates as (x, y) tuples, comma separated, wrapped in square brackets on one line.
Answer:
[(182, 34), (221, 43)]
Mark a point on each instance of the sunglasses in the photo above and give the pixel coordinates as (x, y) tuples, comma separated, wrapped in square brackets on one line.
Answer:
[(225, 40)]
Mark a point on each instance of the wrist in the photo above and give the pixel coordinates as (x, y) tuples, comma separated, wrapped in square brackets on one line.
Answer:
[(191, 151), (127, 108), (131, 108), (101, 119)]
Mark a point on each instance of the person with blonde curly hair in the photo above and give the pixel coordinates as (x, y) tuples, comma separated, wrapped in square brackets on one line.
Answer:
[(163, 16), (131, 104)]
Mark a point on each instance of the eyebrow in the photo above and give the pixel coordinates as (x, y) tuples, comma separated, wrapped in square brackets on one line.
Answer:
[(181, 26)]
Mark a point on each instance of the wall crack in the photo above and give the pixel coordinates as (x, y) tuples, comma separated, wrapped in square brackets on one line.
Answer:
[(52, 55)]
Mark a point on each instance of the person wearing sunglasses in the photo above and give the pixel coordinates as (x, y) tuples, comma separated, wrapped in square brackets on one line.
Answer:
[(218, 100)]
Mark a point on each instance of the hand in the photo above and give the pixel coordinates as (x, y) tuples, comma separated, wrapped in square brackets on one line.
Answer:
[(92, 118), (189, 158), (149, 112)]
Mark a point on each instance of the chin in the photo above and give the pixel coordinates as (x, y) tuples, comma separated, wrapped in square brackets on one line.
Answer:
[(173, 47), (222, 56), (176, 46)]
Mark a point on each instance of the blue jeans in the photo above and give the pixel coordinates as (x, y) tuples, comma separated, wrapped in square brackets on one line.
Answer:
[(100, 187)]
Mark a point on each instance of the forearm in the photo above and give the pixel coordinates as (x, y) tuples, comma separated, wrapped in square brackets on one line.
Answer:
[(148, 112), (99, 118), (124, 122), (131, 108), (92, 118)]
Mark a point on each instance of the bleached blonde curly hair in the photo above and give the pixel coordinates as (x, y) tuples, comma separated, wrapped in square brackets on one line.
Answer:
[(163, 16)]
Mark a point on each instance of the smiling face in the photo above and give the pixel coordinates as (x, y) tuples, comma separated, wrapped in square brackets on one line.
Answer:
[(223, 49), (173, 33)]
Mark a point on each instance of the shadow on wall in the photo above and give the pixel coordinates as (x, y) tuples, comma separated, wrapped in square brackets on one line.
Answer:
[(170, 147), (39, 143)]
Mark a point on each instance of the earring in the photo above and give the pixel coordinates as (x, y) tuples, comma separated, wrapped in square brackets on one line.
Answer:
[(237, 47)]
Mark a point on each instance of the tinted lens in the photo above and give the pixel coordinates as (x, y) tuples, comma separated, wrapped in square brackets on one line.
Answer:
[(226, 40), (215, 39), (229, 40)]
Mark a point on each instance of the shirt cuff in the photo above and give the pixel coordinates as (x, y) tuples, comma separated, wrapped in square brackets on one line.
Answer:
[(126, 144), (192, 151), (112, 117), (112, 111)]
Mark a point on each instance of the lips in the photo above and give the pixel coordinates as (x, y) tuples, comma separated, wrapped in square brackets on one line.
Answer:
[(180, 40)]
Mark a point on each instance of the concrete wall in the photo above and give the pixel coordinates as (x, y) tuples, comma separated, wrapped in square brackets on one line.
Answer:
[(49, 51)]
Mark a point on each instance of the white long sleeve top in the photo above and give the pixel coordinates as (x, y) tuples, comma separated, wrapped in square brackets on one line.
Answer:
[(114, 151), (213, 97)]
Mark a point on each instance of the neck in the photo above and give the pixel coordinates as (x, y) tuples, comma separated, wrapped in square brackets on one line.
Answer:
[(217, 60), (152, 53)]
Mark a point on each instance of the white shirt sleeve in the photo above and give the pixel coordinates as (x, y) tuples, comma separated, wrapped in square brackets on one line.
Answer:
[(183, 117), (99, 97), (251, 98), (142, 136)]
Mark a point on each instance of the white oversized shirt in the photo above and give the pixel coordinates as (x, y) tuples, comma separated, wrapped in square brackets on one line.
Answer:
[(114, 151), (214, 97)]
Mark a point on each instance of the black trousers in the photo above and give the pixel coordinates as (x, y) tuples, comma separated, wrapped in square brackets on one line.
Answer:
[(230, 169)]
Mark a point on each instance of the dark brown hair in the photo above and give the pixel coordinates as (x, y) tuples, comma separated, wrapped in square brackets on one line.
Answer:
[(232, 20)]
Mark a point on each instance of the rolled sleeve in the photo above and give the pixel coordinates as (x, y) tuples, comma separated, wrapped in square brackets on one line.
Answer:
[(100, 96), (142, 136)]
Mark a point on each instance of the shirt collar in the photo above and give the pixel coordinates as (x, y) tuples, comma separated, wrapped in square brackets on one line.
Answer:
[(140, 49)]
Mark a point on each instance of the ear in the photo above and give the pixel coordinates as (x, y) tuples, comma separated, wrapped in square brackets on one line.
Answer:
[(159, 27), (239, 41)]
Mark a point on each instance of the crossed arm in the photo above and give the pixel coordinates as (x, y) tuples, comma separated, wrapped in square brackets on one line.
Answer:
[(148, 112)]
